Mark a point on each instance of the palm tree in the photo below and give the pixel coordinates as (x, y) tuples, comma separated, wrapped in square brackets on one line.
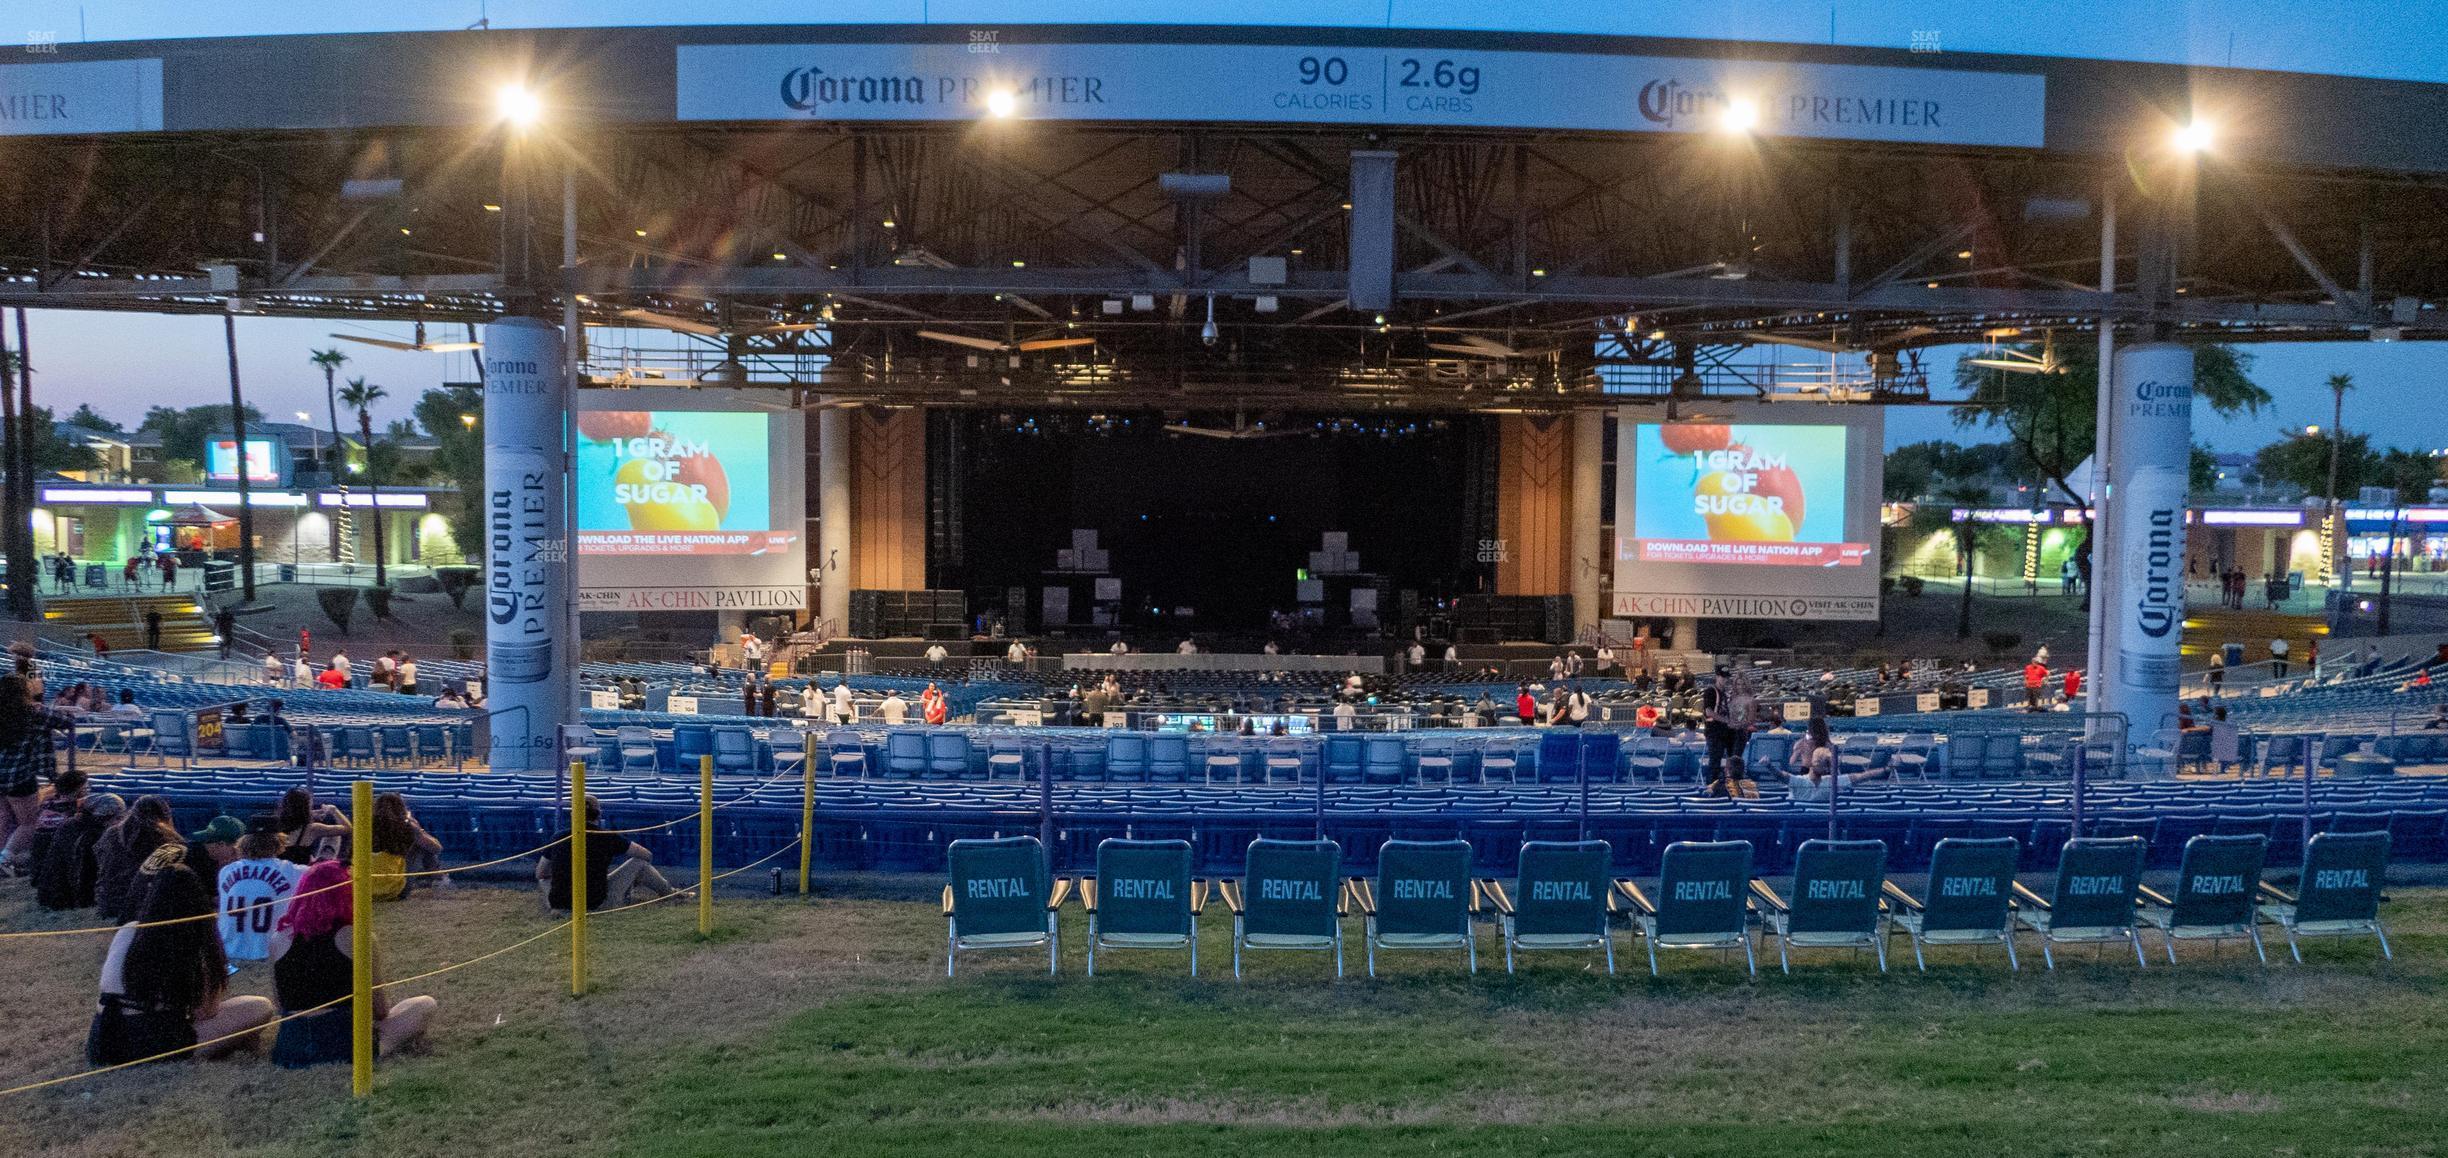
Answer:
[(330, 361), (361, 397)]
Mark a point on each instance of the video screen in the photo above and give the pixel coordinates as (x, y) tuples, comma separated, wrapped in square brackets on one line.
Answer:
[(689, 500), (1757, 511), (674, 482), (1742, 494), (221, 462)]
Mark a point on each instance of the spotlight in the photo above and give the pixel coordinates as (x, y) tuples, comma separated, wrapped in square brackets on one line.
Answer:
[(1001, 103), (1741, 115), (518, 105), (1208, 333), (2195, 137)]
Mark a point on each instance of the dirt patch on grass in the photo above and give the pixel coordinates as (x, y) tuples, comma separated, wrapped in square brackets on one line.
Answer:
[(2226, 1103)]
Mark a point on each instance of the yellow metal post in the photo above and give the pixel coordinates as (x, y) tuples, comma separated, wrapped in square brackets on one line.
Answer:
[(807, 812), (577, 881), (705, 846), (361, 939)]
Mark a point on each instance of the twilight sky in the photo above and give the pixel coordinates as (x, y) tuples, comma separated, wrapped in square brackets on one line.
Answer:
[(125, 363)]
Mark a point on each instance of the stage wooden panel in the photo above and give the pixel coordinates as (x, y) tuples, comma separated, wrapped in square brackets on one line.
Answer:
[(1534, 505), (888, 500)]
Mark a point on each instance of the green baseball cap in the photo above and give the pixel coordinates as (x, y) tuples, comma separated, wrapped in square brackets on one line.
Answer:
[(222, 830)]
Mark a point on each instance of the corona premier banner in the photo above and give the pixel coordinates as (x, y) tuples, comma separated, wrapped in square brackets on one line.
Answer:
[(2151, 437), (528, 671)]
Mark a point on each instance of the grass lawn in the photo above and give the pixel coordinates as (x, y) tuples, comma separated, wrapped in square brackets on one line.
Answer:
[(827, 1027)]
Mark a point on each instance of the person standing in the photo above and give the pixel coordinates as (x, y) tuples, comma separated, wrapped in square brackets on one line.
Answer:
[(2218, 669), (2278, 658), (405, 675), (894, 710), (1525, 705), (2035, 677), (225, 628), (340, 663), (933, 708), (384, 666), (845, 709), (25, 764), (169, 570), (153, 628)]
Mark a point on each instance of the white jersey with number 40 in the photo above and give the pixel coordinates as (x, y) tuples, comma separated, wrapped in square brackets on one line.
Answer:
[(254, 894)]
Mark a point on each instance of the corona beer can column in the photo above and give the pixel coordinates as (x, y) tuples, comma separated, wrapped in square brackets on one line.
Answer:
[(2151, 433), (528, 554)]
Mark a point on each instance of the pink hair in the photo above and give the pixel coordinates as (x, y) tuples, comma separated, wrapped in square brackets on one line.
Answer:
[(319, 909)]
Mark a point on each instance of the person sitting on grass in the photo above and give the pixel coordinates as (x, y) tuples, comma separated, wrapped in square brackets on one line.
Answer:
[(309, 832), (614, 866), (122, 853), (255, 891), (64, 878), (397, 834), (312, 965), (164, 980), (1816, 757)]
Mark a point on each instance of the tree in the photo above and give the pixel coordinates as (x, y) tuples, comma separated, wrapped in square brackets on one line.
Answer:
[(2202, 476), (2302, 462), (86, 419), (330, 361), (2051, 419), (183, 431), (361, 397), (453, 416), (1967, 543), (50, 452)]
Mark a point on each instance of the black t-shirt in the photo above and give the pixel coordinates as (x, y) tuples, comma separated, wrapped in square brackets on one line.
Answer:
[(602, 849)]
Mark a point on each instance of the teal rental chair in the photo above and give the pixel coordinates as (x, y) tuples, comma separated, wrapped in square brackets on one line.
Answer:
[(1561, 899), (2098, 881), (1421, 899), (1143, 897), (2339, 895), (1836, 903), (1970, 900), (1701, 901), (2216, 886), (1001, 897), (1290, 897)]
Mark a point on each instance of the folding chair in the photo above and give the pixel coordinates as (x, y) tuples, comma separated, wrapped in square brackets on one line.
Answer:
[(1837, 902), (1001, 897), (1561, 899), (1290, 897), (1701, 901), (1970, 902), (1143, 897), (2339, 895), (2216, 886), (1421, 899), (2098, 881)]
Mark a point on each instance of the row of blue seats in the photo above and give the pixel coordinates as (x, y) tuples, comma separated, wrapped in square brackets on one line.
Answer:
[(911, 838)]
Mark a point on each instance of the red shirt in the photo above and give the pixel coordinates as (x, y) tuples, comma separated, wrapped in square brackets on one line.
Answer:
[(2034, 674), (2073, 683), (1526, 707), (331, 678)]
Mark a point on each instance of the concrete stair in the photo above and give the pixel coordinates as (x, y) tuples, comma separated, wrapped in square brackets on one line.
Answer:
[(120, 621)]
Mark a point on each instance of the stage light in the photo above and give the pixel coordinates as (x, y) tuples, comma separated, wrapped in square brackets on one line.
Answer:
[(517, 105), (1740, 115), (492, 208), (2195, 137), (1001, 103)]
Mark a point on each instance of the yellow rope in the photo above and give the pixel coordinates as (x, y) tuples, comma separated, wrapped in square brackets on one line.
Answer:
[(520, 944)]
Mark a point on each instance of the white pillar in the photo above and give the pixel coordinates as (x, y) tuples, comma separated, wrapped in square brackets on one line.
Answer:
[(1588, 553), (2151, 437), (832, 561), (2099, 665), (528, 668)]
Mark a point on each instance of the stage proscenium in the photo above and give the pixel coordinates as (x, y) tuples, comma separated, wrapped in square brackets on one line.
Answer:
[(1752, 512), (527, 661), (2151, 433), (691, 500)]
